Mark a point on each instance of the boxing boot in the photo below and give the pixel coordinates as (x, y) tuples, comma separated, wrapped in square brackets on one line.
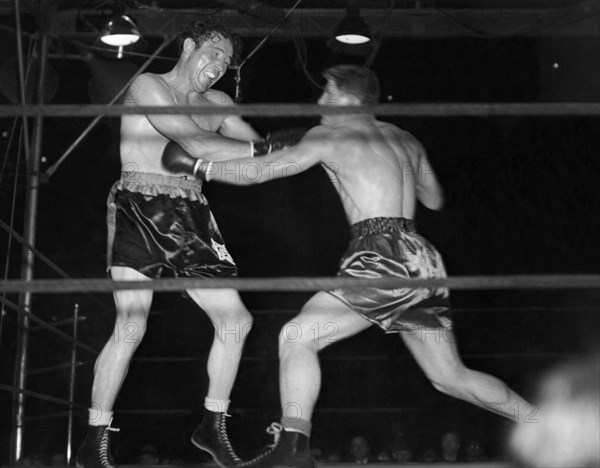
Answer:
[(211, 436), (289, 450), (94, 452)]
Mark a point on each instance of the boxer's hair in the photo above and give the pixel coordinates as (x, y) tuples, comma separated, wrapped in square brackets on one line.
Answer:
[(204, 29), (355, 80)]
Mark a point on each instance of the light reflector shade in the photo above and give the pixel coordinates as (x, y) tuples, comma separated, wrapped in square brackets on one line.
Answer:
[(120, 31), (352, 29)]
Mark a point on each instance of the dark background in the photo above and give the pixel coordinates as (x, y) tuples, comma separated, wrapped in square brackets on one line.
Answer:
[(522, 198)]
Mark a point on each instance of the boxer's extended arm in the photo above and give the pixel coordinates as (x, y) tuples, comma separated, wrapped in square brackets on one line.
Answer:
[(176, 159), (244, 171), (196, 141), (311, 150)]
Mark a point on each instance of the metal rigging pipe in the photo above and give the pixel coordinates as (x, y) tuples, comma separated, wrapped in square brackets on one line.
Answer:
[(29, 230)]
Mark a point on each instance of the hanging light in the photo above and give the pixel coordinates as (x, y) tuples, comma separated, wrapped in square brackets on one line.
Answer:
[(120, 31), (352, 29)]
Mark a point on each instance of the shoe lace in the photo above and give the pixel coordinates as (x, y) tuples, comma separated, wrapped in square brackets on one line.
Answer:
[(275, 430), (105, 446), (225, 437)]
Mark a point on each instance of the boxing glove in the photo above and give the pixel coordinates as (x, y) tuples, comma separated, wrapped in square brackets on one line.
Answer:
[(176, 159), (278, 140)]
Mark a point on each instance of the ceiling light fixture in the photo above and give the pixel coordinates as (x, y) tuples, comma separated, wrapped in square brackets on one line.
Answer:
[(352, 29), (120, 31)]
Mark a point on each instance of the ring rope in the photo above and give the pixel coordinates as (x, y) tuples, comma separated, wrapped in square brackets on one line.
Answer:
[(537, 308), (156, 312), (41, 396), (52, 286), (53, 266), (47, 326), (347, 357), (253, 411), (353, 410), (278, 110)]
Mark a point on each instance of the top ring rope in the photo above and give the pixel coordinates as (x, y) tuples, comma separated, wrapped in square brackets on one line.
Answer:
[(306, 284), (277, 110)]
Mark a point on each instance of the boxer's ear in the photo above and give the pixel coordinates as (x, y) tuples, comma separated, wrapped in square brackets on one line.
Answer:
[(347, 99), (189, 45)]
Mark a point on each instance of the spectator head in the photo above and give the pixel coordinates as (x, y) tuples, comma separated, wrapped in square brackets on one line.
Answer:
[(359, 448), (37, 459), (450, 443), (148, 455), (400, 451), (474, 450), (25, 461), (429, 456), (317, 454), (58, 460)]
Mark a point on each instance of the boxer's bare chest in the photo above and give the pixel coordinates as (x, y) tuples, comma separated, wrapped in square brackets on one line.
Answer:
[(209, 122)]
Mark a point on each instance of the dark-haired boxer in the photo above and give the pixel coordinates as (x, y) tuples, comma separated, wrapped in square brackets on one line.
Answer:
[(159, 221)]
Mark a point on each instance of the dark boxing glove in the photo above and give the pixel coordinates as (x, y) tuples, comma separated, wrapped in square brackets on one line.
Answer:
[(176, 159), (278, 140)]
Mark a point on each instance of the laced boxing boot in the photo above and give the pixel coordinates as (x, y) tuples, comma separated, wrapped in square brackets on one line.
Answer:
[(94, 452), (289, 450), (211, 436)]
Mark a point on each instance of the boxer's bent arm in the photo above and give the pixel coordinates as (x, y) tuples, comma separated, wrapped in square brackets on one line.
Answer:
[(234, 126), (429, 190), (237, 128), (198, 142)]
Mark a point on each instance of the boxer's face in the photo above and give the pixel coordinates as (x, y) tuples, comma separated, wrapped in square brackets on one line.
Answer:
[(209, 62)]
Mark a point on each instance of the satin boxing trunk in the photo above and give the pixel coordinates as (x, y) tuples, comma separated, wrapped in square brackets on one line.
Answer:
[(387, 248), (157, 221)]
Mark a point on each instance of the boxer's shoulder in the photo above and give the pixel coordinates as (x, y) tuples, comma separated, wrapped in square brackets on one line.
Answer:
[(332, 133), (151, 80), (151, 86)]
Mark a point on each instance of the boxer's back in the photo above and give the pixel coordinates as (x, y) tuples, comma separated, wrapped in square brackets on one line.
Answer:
[(374, 169)]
